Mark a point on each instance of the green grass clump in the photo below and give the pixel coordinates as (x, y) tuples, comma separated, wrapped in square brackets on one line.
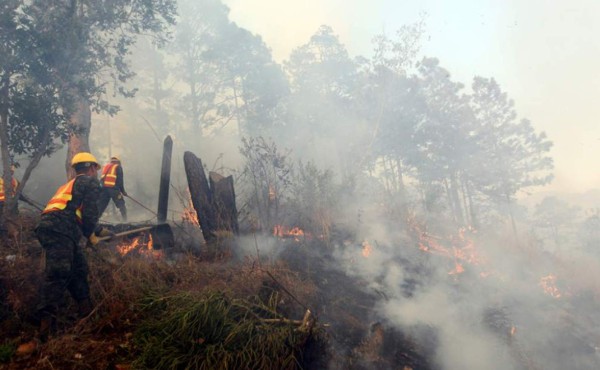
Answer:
[(212, 331), (7, 350)]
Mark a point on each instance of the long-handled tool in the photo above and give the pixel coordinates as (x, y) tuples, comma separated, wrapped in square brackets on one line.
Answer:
[(141, 205), (161, 234), (125, 233), (28, 200)]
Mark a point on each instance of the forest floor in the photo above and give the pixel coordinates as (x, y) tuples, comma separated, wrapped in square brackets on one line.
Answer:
[(160, 309)]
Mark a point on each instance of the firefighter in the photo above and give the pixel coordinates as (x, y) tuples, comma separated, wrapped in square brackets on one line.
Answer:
[(113, 187), (70, 214), (14, 184)]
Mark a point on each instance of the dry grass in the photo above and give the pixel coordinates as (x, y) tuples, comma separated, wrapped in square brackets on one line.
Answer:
[(121, 289)]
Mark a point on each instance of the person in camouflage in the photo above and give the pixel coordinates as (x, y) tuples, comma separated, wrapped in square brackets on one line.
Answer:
[(70, 214), (3, 191), (113, 187)]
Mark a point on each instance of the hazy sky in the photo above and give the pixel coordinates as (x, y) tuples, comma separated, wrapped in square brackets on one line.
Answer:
[(544, 53)]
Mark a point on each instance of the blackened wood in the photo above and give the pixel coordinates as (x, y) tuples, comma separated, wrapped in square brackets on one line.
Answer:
[(165, 179), (200, 194), (224, 202)]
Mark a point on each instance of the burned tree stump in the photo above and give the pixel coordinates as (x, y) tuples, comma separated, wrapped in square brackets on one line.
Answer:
[(224, 202), (215, 202), (165, 179), (200, 194)]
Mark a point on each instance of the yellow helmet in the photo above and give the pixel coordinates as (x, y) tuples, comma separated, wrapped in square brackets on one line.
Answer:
[(115, 158), (83, 157)]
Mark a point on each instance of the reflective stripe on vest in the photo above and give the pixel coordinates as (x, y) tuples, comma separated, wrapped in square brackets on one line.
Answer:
[(63, 196), (109, 175), (2, 195)]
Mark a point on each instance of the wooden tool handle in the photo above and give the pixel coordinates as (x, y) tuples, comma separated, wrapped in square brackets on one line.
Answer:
[(125, 233)]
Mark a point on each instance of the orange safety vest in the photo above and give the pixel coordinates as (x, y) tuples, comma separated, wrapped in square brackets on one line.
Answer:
[(63, 196), (15, 183), (109, 175)]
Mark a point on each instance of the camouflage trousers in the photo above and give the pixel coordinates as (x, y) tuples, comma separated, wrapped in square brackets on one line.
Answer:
[(66, 269), (105, 197)]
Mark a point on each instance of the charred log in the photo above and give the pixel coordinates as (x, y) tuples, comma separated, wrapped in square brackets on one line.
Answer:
[(200, 194), (214, 202), (223, 202)]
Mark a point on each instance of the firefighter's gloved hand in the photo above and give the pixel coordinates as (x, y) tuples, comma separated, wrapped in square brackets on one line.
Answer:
[(93, 239), (104, 232)]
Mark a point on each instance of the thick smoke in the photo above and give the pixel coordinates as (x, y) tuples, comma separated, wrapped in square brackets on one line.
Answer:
[(495, 314)]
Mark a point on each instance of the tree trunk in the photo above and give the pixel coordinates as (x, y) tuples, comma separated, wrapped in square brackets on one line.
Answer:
[(200, 194), (165, 180), (9, 209), (401, 187), (512, 218), (386, 174), (223, 200), (455, 199), (34, 161), (237, 109), (80, 123), (474, 220), (399, 169), (450, 201), (391, 176), (463, 196), (109, 134)]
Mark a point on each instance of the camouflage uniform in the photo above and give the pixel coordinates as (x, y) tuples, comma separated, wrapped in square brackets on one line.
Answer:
[(59, 233), (3, 229), (115, 193)]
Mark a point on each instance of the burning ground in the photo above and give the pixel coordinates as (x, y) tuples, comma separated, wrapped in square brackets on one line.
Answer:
[(411, 298), (142, 293)]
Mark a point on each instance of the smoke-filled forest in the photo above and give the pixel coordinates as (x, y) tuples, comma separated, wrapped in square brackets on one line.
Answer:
[(373, 211)]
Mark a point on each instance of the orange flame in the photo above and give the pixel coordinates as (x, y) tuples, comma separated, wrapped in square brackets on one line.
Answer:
[(125, 248), (367, 249), (462, 248), (285, 232), (141, 245), (189, 212), (458, 269), (156, 254), (548, 284), (296, 231)]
